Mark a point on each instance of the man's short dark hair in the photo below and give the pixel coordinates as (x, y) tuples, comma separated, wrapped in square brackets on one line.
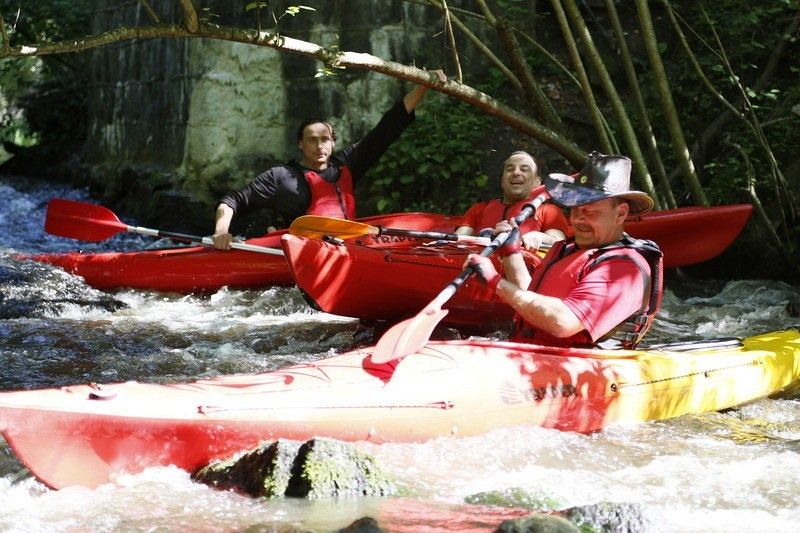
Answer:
[(308, 122)]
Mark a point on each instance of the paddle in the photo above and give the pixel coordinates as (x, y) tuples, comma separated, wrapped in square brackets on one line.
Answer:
[(316, 227), (411, 335), (90, 222)]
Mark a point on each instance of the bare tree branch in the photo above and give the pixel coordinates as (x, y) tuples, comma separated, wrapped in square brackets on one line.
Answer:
[(633, 85), (541, 105), (668, 104), (624, 122), (336, 58), (476, 41), (583, 79), (150, 13), (451, 38), (6, 44), (190, 16)]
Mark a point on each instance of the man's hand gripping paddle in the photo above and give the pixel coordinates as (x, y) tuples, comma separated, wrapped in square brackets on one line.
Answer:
[(409, 336), (90, 222)]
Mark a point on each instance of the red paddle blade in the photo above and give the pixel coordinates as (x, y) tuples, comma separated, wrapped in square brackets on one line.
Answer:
[(408, 336), (81, 220)]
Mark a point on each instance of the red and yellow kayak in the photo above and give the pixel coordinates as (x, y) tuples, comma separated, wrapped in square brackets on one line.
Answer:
[(359, 278), (87, 434), (204, 269)]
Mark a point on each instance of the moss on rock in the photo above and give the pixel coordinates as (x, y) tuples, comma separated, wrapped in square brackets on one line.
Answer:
[(318, 468), (325, 468), (263, 472)]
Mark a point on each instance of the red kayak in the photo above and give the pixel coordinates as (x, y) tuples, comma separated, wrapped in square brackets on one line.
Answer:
[(204, 269), (361, 280), (88, 434)]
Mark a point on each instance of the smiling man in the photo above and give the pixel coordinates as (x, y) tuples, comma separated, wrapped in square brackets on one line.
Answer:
[(599, 288), (322, 182), (520, 184)]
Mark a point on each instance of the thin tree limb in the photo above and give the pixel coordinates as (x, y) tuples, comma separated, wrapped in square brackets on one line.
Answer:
[(355, 60), (150, 13), (6, 44), (668, 104), (592, 108), (638, 100), (761, 213), (628, 133), (190, 16), (542, 107), (778, 179), (451, 38), (716, 127)]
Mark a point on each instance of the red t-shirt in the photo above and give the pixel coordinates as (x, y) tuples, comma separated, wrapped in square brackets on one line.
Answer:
[(488, 214), (605, 296)]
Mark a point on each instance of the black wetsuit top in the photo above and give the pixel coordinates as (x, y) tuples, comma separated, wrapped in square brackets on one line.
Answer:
[(284, 189)]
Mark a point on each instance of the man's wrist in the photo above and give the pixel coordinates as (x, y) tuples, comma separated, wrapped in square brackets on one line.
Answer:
[(509, 249)]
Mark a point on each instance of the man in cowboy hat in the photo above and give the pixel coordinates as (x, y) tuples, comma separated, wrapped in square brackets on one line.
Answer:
[(598, 288)]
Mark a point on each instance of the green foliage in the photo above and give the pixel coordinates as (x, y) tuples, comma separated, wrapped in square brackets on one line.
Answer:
[(749, 34), (435, 165), (34, 81)]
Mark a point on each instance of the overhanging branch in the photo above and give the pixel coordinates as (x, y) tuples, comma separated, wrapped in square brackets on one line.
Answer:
[(356, 60)]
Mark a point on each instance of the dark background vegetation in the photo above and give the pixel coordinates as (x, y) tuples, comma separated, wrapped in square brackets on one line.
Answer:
[(457, 160)]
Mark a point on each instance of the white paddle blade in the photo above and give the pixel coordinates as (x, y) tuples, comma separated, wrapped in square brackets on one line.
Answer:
[(408, 336)]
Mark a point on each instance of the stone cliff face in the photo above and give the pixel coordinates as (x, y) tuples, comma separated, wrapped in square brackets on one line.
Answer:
[(200, 117)]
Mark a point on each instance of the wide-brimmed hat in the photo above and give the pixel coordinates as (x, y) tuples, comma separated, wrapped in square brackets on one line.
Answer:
[(603, 176)]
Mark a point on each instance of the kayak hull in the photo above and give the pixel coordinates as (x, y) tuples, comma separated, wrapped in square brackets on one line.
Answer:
[(89, 434), (205, 269), (362, 280)]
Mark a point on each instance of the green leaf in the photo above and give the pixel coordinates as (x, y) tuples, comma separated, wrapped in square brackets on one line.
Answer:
[(294, 10), (251, 6)]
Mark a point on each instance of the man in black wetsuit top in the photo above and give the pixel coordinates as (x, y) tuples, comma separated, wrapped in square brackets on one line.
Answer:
[(322, 182)]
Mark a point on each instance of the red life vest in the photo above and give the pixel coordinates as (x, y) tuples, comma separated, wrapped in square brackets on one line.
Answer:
[(331, 199), (495, 210), (626, 334)]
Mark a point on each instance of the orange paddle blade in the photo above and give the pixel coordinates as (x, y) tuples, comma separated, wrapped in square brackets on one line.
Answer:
[(408, 336), (81, 220), (316, 227)]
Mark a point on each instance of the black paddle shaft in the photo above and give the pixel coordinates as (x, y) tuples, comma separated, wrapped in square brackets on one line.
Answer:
[(497, 242), (436, 235)]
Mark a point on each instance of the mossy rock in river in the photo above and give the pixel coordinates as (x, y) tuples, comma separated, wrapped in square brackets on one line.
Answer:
[(516, 498), (318, 468), (611, 517), (325, 468), (263, 472)]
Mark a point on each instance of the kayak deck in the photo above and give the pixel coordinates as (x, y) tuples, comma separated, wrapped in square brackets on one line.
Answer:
[(448, 388)]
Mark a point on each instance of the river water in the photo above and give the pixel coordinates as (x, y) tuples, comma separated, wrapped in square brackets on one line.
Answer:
[(738, 470)]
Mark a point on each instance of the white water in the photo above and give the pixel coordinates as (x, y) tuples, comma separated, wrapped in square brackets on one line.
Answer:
[(733, 471)]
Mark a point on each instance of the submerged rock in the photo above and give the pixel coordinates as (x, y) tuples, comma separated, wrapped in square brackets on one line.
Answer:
[(611, 517), (516, 497), (366, 524), (327, 467), (263, 472), (318, 468), (542, 523)]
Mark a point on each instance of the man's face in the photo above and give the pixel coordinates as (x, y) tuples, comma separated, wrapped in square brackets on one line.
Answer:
[(598, 223), (519, 178), (317, 146)]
